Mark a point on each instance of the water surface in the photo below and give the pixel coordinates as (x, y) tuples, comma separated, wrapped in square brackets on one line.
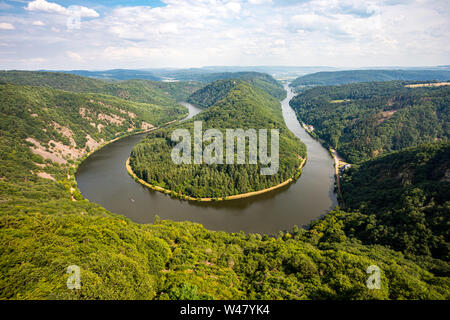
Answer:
[(103, 179)]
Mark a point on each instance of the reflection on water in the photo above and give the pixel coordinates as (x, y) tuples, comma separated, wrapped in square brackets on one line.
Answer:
[(103, 179)]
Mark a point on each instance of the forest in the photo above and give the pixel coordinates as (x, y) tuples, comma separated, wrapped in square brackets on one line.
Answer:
[(401, 199), (231, 104), (363, 120), (327, 78), (46, 225), (147, 91)]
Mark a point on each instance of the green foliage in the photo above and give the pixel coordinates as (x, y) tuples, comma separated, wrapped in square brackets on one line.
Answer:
[(232, 104), (326, 78), (211, 94), (116, 258), (365, 119), (146, 91), (43, 231), (259, 80), (402, 200)]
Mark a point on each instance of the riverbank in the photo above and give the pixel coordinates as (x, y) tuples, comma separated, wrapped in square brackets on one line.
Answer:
[(104, 179), (233, 197), (338, 163), (73, 168)]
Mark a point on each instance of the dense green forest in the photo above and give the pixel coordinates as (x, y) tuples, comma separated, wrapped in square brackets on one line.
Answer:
[(172, 260), (210, 95), (147, 91), (232, 104), (326, 78), (366, 119), (257, 79), (46, 225), (402, 200), (64, 123)]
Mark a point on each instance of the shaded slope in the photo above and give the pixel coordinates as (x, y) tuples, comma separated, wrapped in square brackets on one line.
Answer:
[(403, 199)]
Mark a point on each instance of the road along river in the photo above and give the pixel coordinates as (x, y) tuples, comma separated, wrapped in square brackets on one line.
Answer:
[(102, 178)]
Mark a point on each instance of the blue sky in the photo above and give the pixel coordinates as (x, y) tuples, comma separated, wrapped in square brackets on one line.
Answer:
[(43, 34)]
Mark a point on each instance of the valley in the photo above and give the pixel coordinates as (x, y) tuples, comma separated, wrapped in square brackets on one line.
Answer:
[(102, 178), (134, 243)]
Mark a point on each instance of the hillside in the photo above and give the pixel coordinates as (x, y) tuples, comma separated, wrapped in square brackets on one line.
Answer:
[(161, 93), (403, 200), (117, 74), (232, 104), (259, 80), (62, 125), (210, 95), (326, 78), (364, 120), (46, 225)]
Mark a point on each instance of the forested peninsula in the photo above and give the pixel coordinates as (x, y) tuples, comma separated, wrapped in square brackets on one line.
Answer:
[(230, 104)]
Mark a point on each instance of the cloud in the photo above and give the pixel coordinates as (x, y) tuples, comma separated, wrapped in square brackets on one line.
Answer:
[(74, 56), (38, 23), (259, 1), (234, 32), (6, 26), (51, 7), (44, 6)]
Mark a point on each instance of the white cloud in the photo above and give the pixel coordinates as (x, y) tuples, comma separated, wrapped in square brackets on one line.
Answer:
[(38, 23), (84, 12), (51, 7), (42, 5), (74, 56), (237, 32), (6, 26), (259, 1)]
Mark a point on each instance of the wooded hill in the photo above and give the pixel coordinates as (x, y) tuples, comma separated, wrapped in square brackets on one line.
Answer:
[(231, 104), (403, 200), (147, 91), (363, 120), (257, 79), (326, 78)]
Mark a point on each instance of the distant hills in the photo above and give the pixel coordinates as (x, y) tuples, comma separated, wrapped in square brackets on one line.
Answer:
[(192, 73), (351, 76), (118, 74), (157, 92)]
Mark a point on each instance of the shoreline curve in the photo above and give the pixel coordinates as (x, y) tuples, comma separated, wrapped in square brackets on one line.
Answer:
[(189, 198)]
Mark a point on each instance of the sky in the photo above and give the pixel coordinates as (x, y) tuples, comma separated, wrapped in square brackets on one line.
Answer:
[(83, 34)]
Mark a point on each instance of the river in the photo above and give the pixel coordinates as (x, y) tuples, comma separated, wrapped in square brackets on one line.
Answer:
[(103, 179)]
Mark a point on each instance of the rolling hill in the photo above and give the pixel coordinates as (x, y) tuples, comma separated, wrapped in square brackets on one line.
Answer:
[(155, 92), (230, 104), (363, 120), (402, 200), (327, 78), (257, 79)]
